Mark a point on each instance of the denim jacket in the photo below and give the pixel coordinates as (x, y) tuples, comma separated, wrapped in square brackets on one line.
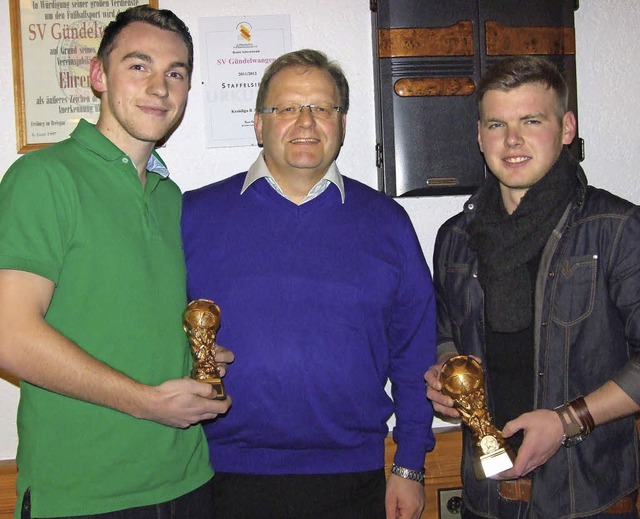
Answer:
[(587, 322)]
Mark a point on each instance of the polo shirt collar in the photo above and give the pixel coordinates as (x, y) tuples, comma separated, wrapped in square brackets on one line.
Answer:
[(91, 138), (259, 170), (155, 165)]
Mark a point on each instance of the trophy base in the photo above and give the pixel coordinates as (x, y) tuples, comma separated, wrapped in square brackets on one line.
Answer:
[(217, 384), (491, 464)]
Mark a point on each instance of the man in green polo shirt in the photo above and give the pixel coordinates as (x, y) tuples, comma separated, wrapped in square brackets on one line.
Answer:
[(92, 289)]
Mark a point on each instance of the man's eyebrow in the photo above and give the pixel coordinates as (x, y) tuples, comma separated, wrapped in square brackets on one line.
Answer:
[(148, 59), (491, 119), (179, 64), (526, 117), (139, 55), (537, 115)]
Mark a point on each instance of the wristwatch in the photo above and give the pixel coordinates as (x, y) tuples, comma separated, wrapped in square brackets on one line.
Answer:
[(572, 436), (576, 428), (413, 475)]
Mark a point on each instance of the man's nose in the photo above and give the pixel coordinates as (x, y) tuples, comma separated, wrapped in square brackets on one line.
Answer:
[(158, 85), (513, 138)]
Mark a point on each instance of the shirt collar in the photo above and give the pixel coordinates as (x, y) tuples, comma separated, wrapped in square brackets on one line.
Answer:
[(93, 139), (155, 165), (259, 170)]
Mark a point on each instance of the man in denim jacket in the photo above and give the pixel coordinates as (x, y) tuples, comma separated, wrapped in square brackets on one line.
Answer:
[(539, 279)]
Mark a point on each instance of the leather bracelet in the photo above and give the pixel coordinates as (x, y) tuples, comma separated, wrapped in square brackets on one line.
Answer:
[(577, 421), (413, 475), (579, 406)]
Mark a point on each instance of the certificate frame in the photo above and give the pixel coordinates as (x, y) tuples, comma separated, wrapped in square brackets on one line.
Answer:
[(52, 43)]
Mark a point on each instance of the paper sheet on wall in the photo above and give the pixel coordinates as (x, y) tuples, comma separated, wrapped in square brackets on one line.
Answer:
[(234, 52)]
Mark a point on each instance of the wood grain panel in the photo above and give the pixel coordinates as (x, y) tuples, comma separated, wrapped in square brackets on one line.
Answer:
[(456, 40), (8, 473), (502, 40), (442, 467), (437, 86)]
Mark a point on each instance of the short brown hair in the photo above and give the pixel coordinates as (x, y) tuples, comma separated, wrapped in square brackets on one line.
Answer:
[(305, 58), (160, 18), (515, 71)]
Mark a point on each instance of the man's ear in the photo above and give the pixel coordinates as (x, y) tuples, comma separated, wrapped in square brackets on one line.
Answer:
[(480, 138), (97, 75), (257, 127), (569, 125)]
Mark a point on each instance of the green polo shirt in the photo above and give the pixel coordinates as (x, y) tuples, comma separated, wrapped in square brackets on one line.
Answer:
[(77, 214)]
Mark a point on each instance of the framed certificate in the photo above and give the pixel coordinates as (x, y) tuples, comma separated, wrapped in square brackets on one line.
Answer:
[(235, 51), (53, 42)]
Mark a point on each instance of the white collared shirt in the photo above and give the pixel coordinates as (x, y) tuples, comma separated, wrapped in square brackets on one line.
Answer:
[(259, 169)]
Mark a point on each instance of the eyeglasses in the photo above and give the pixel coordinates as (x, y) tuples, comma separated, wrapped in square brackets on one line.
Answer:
[(319, 110)]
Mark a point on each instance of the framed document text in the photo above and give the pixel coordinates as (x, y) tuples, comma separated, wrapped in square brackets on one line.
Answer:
[(52, 43), (235, 51)]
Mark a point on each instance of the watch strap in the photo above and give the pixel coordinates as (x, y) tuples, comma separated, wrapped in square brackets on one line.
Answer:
[(577, 421), (579, 407), (413, 475)]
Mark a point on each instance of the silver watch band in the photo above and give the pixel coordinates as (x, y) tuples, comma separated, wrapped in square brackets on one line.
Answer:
[(413, 475)]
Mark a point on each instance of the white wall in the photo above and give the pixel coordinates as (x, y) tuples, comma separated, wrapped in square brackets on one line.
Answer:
[(609, 106)]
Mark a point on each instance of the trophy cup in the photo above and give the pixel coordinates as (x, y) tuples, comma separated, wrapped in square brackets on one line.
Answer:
[(462, 379), (201, 320)]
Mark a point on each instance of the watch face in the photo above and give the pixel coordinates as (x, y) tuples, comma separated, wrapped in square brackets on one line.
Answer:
[(570, 441)]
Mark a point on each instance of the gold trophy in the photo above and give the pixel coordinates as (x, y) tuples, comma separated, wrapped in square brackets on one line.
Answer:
[(462, 379), (201, 320)]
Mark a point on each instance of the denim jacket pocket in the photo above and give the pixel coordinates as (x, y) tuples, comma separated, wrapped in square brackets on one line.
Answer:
[(574, 289)]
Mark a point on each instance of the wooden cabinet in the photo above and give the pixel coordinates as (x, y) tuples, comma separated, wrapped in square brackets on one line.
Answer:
[(442, 468), (428, 57), (8, 475)]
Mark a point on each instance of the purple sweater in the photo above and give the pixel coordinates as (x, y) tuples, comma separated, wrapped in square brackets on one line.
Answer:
[(321, 304)]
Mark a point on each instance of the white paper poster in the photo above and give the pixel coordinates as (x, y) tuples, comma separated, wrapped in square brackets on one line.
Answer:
[(234, 52)]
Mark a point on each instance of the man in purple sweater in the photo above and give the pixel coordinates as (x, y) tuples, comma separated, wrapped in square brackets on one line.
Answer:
[(325, 295)]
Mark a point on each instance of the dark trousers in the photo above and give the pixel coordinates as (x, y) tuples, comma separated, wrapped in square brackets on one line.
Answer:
[(358, 495), (197, 504)]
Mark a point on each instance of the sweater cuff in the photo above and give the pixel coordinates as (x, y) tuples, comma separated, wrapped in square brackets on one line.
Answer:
[(411, 454)]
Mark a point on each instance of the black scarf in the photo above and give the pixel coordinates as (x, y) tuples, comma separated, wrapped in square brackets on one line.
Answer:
[(505, 243)]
